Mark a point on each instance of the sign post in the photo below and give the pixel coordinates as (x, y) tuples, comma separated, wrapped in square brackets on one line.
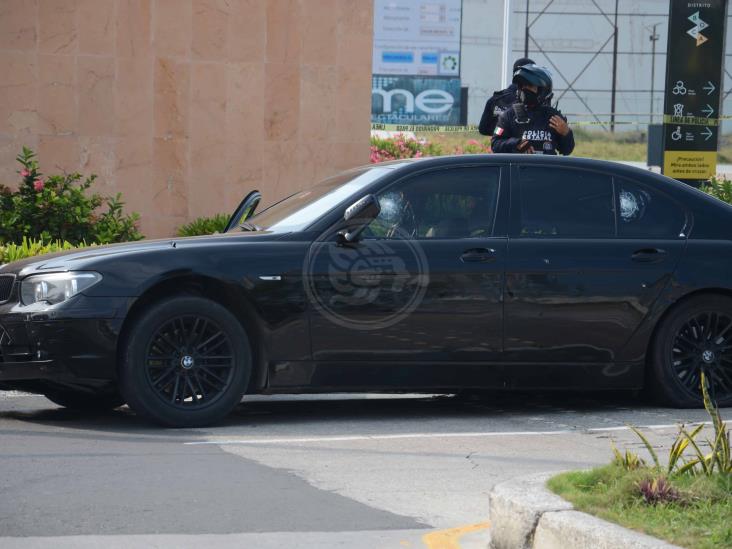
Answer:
[(416, 62), (694, 65)]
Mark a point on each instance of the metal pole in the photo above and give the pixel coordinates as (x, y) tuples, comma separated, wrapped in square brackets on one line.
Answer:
[(615, 69), (526, 35), (654, 38), (507, 43)]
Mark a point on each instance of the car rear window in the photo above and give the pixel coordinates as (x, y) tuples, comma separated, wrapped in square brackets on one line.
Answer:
[(646, 213), (565, 203)]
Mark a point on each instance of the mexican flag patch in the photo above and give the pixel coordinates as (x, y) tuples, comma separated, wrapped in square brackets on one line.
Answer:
[(498, 131)]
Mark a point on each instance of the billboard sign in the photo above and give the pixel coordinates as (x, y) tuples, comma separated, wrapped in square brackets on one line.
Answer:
[(694, 66), (417, 37), (415, 100)]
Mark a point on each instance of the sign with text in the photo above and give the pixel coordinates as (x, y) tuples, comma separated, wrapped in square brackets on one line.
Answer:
[(415, 100), (417, 37), (694, 66)]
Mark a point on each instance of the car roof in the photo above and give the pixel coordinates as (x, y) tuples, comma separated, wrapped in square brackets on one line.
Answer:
[(692, 198), (607, 166), (522, 159)]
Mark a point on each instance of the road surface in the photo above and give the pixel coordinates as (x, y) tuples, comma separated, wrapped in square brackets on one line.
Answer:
[(343, 471)]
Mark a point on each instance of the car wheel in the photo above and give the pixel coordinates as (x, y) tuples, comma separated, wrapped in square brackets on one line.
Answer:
[(186, 362), (695, 337), (88, 401)]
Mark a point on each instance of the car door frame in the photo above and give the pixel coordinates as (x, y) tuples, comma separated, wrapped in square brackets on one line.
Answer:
[(331, 224), (626, 368)]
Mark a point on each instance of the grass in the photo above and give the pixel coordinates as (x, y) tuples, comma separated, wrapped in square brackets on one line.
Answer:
[(622, 145), (608, 146), (701, 519)]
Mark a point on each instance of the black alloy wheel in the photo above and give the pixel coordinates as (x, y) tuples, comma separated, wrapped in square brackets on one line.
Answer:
[(694, 338), (190, 361), (704, 344), (186, 362)]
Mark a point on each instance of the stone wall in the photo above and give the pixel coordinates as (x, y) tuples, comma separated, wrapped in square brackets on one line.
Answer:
[(186, 105)]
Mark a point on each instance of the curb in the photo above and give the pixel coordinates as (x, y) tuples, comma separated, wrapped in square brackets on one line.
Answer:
[(526, 515)]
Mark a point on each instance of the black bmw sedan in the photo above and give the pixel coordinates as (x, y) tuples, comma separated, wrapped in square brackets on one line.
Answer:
[(444, 274)]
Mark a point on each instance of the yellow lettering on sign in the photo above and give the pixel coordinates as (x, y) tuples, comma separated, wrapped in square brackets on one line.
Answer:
[(690, 164)]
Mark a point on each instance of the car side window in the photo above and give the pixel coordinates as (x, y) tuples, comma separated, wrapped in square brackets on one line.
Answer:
[(442, 204), (646, 213), (565, 203)]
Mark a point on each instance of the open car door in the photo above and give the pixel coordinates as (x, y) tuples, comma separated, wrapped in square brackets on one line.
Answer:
[(244, 211)]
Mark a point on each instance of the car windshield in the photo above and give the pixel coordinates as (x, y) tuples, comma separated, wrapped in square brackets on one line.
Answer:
[(298, 211)]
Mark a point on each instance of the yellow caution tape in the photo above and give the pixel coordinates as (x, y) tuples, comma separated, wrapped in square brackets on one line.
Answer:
[(667, 119), (690, 120), (422, 128), (470, 128)]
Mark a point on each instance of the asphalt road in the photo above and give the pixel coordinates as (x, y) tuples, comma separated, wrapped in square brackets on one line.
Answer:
[(343, 471)]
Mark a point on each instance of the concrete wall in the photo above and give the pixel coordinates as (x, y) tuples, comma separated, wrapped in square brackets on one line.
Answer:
[(186, 105)]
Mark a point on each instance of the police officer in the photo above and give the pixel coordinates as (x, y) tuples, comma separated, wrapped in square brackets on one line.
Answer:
[(531, 125), (500, 101)]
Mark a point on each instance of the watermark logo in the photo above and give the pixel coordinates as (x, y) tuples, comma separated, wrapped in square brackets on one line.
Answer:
[(369, 285)]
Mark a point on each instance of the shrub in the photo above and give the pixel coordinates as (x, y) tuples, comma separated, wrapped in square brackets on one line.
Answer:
[(31, 248), (717, 460), (719, 188), (58, 208), (658, 490), (204, 225), (401, 146), (629, 461)]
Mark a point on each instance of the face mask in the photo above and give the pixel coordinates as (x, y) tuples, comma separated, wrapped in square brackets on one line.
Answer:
[(528, 98)]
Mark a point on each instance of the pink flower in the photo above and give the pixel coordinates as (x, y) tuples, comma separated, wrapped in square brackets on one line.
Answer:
[(38, 185), (24, 173), (473, 142)]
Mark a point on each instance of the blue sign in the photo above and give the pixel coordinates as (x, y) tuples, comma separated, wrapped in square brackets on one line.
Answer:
[(429, 58), (415, 100), (397, 57)]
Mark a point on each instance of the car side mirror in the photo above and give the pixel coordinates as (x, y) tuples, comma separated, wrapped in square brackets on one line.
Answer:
[(244, 211), (357, 217)]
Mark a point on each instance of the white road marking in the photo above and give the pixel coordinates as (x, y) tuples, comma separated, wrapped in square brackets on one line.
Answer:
[(353, 438)]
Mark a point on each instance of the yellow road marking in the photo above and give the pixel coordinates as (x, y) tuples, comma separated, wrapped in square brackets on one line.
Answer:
[(450, 538)]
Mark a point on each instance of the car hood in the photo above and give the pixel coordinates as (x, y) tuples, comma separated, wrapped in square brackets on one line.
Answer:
[(81, 257)]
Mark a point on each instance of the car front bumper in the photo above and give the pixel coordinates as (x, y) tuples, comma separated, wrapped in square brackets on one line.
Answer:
[(76, 341)]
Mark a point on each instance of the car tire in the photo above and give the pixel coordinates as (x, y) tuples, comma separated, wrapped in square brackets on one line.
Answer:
[(87, 401), (695, 336), (186, 362)]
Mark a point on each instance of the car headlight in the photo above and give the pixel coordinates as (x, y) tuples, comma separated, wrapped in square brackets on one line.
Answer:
[(55, 288)]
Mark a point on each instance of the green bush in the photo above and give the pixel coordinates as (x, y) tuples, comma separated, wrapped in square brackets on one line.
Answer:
[(719, 188), (32, 248), (57, 208), (717, 460), (204, 225)]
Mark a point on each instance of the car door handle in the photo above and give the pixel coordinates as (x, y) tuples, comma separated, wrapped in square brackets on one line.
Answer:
[(478, 255), (649, 255)]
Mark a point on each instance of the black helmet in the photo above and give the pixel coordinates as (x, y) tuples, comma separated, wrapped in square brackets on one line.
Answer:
[(535, 76), (521, 62)]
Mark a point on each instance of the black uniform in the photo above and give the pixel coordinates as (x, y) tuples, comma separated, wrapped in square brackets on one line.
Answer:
[(494, 107), (510, 131)]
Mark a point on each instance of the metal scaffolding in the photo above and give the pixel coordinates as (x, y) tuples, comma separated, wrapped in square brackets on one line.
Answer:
[(532, 12)]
